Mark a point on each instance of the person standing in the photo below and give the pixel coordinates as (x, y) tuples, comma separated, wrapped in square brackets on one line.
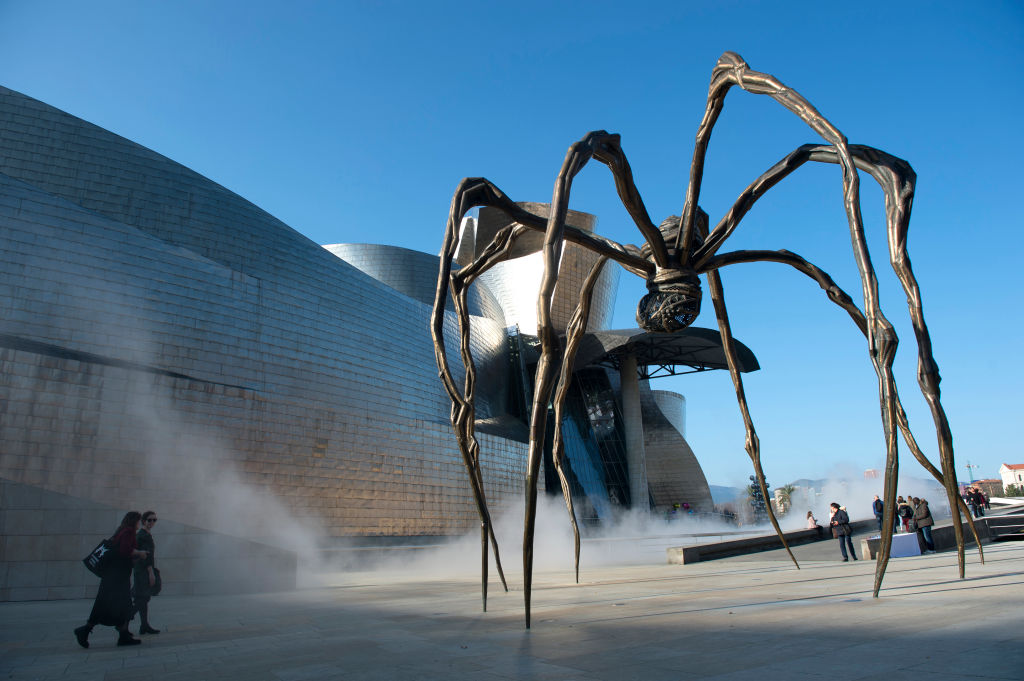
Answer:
[(972, 499), (905, 512), (879, 508), (113, 604), (145, 575), (923, 521), (812, 524), (980, 499), (841, 530)]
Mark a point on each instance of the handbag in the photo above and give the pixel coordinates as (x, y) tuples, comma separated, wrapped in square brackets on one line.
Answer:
[(98, 560), (157, 583)]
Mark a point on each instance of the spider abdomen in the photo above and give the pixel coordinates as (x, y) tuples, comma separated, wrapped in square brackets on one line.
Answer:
[(671, 305)]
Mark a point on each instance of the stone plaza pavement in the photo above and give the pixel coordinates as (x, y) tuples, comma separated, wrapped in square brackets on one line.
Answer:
[(750, 617)]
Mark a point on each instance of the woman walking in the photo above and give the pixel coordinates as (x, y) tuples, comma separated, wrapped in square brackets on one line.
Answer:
[(145, 575), (113, 604), (842, 531)]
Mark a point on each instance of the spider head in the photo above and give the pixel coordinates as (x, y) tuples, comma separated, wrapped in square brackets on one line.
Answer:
[(673, 295)]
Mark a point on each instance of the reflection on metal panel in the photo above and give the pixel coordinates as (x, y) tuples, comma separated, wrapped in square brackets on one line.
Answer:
[(673, 473), (516, 282), (413, 274)]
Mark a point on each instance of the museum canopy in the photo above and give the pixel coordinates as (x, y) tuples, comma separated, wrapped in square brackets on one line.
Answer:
[(662, 354)]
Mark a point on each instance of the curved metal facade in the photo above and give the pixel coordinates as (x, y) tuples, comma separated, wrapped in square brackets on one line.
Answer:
[(516, 282), (413, 274), (673, 473), (163, 339), (161, 336)]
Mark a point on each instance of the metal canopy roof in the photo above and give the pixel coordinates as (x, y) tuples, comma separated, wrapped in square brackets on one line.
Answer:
[(662, 354)]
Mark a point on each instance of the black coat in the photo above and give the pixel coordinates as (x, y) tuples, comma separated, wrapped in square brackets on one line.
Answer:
[(841, 524), (145, 543), (113, 604)]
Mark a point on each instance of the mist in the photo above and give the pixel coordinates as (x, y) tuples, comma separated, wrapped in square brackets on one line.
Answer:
[(633, 538)]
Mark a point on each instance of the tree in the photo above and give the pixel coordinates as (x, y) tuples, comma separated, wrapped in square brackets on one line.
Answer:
[(1014, 491)]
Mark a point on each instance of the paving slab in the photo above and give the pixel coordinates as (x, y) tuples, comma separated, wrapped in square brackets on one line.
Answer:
[(746, 617)]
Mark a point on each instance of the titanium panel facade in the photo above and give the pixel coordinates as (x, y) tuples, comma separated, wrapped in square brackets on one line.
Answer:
[(158, 332), (516, 282), (165, 343), (673, 473)]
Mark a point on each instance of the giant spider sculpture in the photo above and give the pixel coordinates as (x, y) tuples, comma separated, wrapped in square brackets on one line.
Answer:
[(671, 260)]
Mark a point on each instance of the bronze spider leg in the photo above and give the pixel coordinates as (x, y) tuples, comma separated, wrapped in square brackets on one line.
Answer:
[(577, 327), (843, 300), (882, 341), (496, 252), (896, 179), (470, 193), (473, 192), (752, 445), (463, 409), (605, 148)]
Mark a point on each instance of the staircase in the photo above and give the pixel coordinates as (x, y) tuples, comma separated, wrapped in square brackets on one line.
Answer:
[(1006, 527)]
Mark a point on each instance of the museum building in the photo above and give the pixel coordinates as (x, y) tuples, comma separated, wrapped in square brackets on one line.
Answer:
[(166, 344)]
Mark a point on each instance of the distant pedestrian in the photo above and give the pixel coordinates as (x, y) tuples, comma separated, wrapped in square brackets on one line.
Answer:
[(113, 604), (145, 573), (904, 511), (977, 502), (842, 531), (812, 524), (923, 522), (982, 500), (879, 508)]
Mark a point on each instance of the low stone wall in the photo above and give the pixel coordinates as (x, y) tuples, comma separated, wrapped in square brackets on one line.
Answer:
[(735, 547), (942, 536), (46, 535)]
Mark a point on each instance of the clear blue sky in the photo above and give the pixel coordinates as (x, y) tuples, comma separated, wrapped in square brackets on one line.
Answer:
[(354, 121)]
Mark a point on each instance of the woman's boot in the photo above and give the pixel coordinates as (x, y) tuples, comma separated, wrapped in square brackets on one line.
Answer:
[(125, 638), (82, 635), (144, 628)]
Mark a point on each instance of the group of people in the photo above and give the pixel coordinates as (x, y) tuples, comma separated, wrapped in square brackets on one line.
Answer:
[(912, 513), (678, 510), (977, 500), (117, 600)]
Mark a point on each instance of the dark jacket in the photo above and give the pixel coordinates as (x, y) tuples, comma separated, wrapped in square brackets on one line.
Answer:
[(922, 516), (877, 506), (841, 524), (145, 543)]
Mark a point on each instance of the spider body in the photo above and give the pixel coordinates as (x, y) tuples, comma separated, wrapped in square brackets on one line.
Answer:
[(674, 294), (671, 259)]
